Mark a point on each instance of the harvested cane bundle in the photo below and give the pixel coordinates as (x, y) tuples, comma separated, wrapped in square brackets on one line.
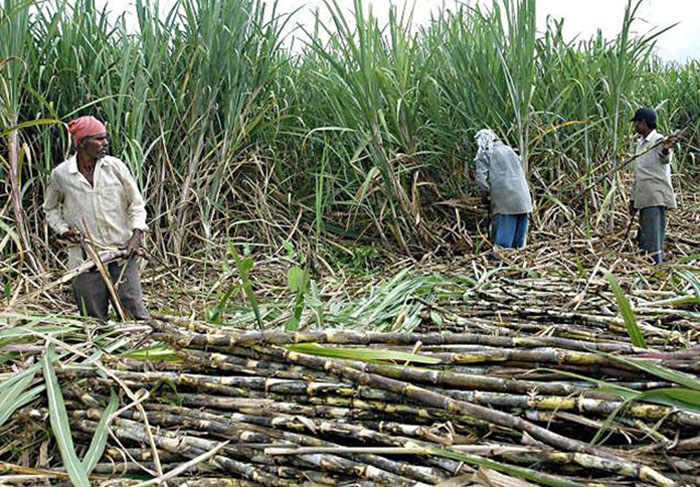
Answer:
[(534, 378), (278, 407)]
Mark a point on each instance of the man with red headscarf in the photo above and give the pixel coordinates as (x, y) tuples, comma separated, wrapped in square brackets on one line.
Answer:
[(94, 195)]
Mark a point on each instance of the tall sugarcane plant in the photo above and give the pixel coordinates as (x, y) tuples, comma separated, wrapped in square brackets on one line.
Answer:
[(516, 51), (364, 125), (379, 78), (622, 64), (485, 67), (16, 47)]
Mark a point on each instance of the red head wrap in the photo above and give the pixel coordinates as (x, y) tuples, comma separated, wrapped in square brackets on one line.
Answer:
[(87, 126)]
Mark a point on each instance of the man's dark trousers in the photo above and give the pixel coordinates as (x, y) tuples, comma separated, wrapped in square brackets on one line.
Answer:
[(93, 297), (652, 233)]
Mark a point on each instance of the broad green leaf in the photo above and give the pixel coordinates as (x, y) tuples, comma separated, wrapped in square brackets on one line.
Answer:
[(214, 315), (688, 258), (244, 267), (362, 354), (297, 279), (99, 438), (677, 301), (298, 282), (633, 330), (15, 238), (615, 390), (292, 323), (289, 247), (60, 425), (33, 123), (681, 398), (436, 318)]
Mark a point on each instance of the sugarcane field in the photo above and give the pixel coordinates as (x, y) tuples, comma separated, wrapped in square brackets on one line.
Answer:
[(349, 243)]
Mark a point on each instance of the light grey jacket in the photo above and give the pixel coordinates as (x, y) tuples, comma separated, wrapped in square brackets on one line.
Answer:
[(652, 175), (500, 174)]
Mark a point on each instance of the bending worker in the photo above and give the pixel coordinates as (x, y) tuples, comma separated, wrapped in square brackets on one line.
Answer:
[(93, 194), (499, 175), (652, 192)]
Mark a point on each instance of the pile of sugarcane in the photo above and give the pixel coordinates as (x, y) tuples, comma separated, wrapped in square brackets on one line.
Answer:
[(341, 407), (574, 308)]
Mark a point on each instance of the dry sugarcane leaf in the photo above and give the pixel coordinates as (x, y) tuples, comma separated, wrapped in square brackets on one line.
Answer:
[(459, 481), (307, 422), (491, 478), (361, 354), (44, 458)]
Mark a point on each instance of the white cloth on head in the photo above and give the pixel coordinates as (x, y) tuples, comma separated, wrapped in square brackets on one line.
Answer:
[(485, 139)]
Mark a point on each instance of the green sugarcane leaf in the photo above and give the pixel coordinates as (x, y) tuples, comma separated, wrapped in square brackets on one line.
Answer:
[(694, 282), (436, 318), (244, 266), (60, 425), (9, 341), (676, 302), (99, 439), (6, 357), (629, 397), (681, 398), (28, 331), (362, 354), (292, 323), (156, 353), (33, 123), (11, 392), (623, 392), (30, 395), (15, 238), (635, 333), (297, 279), (606, 387), (678, 397), (667, 374), (688, 258), (295, 320)]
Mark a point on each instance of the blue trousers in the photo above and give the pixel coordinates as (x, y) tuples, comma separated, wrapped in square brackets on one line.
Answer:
[(509, 231), (652, 232)]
